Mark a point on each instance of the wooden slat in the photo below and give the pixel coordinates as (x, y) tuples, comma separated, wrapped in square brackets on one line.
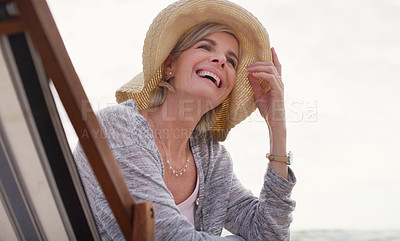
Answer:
[(143, 221), (11, 26), (46, 38)]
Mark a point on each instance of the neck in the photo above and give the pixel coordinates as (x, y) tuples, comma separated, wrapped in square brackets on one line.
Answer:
[(175, 121)]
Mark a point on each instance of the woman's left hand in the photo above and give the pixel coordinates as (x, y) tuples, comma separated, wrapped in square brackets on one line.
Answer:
[(271, 105), (269, 102)]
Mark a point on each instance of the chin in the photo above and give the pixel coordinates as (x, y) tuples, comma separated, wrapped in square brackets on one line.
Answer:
[(210, 96), (207, 98)]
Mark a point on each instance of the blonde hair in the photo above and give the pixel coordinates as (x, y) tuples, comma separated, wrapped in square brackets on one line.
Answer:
[(159, 94)]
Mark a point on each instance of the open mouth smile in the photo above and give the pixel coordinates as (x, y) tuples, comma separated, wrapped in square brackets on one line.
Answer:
[(211, 76)]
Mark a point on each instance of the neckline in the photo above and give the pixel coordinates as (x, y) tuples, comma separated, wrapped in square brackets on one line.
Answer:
[(154, 145), (192, 198)]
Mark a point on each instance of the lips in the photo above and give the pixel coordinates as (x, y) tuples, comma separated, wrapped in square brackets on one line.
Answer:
[(211, 76)]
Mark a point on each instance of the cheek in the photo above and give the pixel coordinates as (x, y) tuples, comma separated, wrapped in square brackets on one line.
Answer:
[(185, 62), (232, 80)]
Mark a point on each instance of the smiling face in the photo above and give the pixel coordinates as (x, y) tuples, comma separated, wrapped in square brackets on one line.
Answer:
[(207, 70)]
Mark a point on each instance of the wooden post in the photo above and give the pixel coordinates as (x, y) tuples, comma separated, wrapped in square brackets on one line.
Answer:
[(135, 220), (143, 220)]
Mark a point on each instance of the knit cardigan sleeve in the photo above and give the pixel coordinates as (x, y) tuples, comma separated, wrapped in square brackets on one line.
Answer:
[(267, 217), (227, 203)]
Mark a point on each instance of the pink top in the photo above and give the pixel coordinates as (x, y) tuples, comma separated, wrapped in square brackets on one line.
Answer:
[(187, 207)]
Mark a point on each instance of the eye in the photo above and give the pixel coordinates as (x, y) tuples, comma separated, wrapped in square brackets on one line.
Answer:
[(232, 62), (205, 47)]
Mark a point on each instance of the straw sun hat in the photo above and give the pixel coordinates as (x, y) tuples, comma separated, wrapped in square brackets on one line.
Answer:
[(166, 30)]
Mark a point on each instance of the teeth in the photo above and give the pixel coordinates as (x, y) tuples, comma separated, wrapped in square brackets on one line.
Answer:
[(204, 73)]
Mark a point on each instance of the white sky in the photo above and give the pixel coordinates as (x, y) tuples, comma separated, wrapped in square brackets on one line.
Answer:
[(341, 72)]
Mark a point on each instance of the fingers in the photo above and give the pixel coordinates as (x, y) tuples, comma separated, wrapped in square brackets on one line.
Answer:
[(268, 72), (267, 67), (257, 89), (273, 80), (276, 62)]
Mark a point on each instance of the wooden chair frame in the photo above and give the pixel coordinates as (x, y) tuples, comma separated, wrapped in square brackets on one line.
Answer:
[(136, 220)]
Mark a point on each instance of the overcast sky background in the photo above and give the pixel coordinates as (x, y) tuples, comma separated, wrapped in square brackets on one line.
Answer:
[(341, 72)]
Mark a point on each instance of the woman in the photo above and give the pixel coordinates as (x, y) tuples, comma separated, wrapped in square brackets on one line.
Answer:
[(202, 62)]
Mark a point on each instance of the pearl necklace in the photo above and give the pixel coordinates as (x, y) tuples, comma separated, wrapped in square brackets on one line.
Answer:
[(175, 172)]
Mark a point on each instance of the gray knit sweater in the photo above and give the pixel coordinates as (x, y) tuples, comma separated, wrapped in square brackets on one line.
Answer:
[(223, 202)]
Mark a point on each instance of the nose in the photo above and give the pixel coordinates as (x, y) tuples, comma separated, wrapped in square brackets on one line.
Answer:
[(219, 60)]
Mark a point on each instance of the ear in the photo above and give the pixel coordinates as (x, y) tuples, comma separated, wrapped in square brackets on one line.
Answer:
[(169, 64)]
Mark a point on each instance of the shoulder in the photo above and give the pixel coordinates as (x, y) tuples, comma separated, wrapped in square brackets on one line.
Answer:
[(207, 145), (123, 125), (214, 156), (130, 139), (119, 115)]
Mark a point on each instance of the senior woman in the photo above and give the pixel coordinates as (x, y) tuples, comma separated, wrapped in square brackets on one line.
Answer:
[(207, 65)]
